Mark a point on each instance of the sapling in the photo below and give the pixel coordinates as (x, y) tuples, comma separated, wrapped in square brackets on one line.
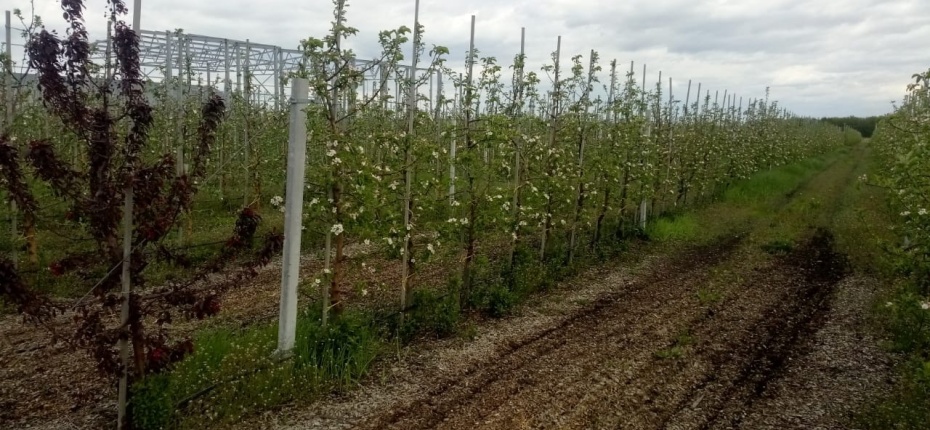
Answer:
[(112, 118)]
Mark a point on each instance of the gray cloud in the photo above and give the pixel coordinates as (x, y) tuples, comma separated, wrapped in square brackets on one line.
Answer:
[(829, 57)]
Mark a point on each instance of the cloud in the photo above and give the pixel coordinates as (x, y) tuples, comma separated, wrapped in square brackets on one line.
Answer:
[(830, 57)]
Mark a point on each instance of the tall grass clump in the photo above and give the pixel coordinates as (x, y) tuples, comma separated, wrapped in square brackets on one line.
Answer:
[(236, 372), (675, 228)]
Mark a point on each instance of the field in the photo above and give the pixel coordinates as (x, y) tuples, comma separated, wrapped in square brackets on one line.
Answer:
[(535, 250)]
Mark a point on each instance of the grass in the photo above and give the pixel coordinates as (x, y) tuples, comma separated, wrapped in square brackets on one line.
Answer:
[(679, 228), (781, 181), (778, 247), (740, 202), (234, 372), (905, 320), (212, 222), (709, 296), (678, 348), (907, 407)]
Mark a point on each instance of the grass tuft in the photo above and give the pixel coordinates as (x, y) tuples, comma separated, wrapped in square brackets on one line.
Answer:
[(234, 372), (678, 228)]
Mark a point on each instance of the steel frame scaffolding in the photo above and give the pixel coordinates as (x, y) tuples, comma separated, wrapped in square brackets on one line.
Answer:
[(257, 71)]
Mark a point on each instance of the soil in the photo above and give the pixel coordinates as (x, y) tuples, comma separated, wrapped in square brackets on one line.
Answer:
[(650, 353), (713, 336)]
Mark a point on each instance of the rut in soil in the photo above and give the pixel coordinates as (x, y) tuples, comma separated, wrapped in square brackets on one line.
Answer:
[(599, 369)]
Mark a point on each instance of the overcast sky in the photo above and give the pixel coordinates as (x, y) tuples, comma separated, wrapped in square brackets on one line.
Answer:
[(820, 58)]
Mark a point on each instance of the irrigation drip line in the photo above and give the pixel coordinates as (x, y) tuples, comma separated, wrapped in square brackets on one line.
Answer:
[(209, 388), (385, 317), (110, 272), (58, 233), (183, 403), (198, 245)]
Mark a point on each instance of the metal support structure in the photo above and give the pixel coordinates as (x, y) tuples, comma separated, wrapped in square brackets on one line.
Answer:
[(408, 176), (293, 214), (8, 72), (698, 100), (246, 143), (8, 120), (125, 276), (687, 100), (276, 77), (238, 56)]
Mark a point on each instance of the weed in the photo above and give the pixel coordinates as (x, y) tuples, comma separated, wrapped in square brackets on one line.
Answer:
[(778, 247), (906, 407), (582, 302), (469, 331), (708, 296), (907, 320), (677, 348), (681, 227), (431, 313), (234, 372), (494, 299)]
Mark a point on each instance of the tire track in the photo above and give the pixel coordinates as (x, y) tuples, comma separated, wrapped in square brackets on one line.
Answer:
[(733, 386), (517, 369)]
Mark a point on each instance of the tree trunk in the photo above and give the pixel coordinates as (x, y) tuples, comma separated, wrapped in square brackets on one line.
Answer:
[(601, 216), (336, 291)]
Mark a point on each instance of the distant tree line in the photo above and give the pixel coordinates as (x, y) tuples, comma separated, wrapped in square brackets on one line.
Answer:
[(864, 125)]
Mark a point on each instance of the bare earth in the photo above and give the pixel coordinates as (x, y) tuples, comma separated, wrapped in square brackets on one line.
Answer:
[(784, 346), (715, 336)]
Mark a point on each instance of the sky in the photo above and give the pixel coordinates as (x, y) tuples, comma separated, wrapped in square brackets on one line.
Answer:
[(819, 58)]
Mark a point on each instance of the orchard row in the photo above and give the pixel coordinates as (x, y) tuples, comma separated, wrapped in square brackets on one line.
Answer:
[(902, 143)]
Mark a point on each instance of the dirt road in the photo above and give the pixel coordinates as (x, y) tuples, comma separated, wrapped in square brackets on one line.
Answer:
[(716, 336)]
